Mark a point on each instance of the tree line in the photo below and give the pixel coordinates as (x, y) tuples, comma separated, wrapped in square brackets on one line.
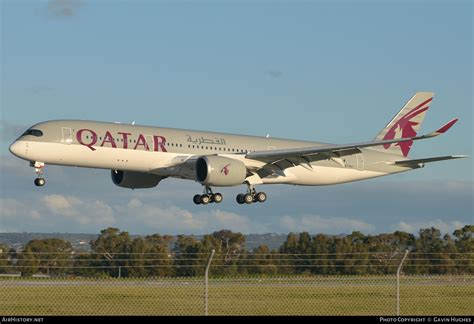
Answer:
[(115, 254)]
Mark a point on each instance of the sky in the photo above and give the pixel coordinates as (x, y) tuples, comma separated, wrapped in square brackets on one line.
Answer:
[(329, 71)]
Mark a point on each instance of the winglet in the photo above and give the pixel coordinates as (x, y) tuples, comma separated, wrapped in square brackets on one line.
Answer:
[(447, 126), (443, 129)]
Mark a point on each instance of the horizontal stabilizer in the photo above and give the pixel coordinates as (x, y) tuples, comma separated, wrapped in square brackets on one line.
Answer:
[(416, 162)]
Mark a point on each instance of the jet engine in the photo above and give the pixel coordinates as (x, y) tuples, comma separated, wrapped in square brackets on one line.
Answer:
[(134, 180), (220, 171)]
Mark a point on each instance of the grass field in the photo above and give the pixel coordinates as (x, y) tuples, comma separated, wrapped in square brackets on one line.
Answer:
[(239, 296)]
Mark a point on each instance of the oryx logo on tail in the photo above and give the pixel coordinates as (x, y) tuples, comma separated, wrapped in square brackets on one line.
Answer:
[(405, 127), (406, 123)]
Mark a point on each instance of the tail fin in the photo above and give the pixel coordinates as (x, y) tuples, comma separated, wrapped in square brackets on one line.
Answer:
[(406, 123)]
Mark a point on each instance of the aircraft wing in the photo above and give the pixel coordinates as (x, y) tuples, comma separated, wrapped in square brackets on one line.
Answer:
[(416, 163), (308, 154)]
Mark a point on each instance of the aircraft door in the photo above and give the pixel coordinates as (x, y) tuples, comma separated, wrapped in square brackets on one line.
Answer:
[(360, 162), (66, 135)]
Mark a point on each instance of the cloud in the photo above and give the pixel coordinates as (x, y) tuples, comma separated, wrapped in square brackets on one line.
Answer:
[(167, 219), (60, 204), (328, 225), (134, 203), (275, 74), (82, 212), (14, 215), (63, 8), (54, 213), (173, 219), (414, 227), (70, 213)]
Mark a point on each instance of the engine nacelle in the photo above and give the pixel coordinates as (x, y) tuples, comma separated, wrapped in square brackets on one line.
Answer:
[(134, 180), (220, 171)]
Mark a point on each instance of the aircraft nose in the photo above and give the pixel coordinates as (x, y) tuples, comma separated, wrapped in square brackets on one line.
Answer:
[(17, 148)]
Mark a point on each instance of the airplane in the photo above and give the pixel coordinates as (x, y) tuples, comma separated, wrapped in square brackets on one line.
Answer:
[(142, 156)]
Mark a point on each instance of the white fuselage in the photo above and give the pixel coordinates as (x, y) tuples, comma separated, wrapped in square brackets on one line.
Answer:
[(164, 152)]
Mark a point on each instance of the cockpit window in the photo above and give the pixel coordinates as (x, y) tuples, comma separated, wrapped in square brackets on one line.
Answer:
[(34, 132)]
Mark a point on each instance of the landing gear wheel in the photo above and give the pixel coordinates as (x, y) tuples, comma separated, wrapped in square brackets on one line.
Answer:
[(39, 182), (197, 199), (39, 169), (205, 199), (248, 199), (217, 198), (251, 196), (240, 199), (261, 197)]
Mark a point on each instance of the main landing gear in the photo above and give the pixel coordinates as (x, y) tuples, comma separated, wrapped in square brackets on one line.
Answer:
[(251, 196), (207, 197), (39, 169)]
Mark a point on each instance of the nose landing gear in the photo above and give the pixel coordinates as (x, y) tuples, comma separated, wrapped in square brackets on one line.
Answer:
[(39, 169)]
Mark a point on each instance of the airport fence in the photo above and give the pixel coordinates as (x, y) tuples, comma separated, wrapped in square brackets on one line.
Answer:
[(217, 284)]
